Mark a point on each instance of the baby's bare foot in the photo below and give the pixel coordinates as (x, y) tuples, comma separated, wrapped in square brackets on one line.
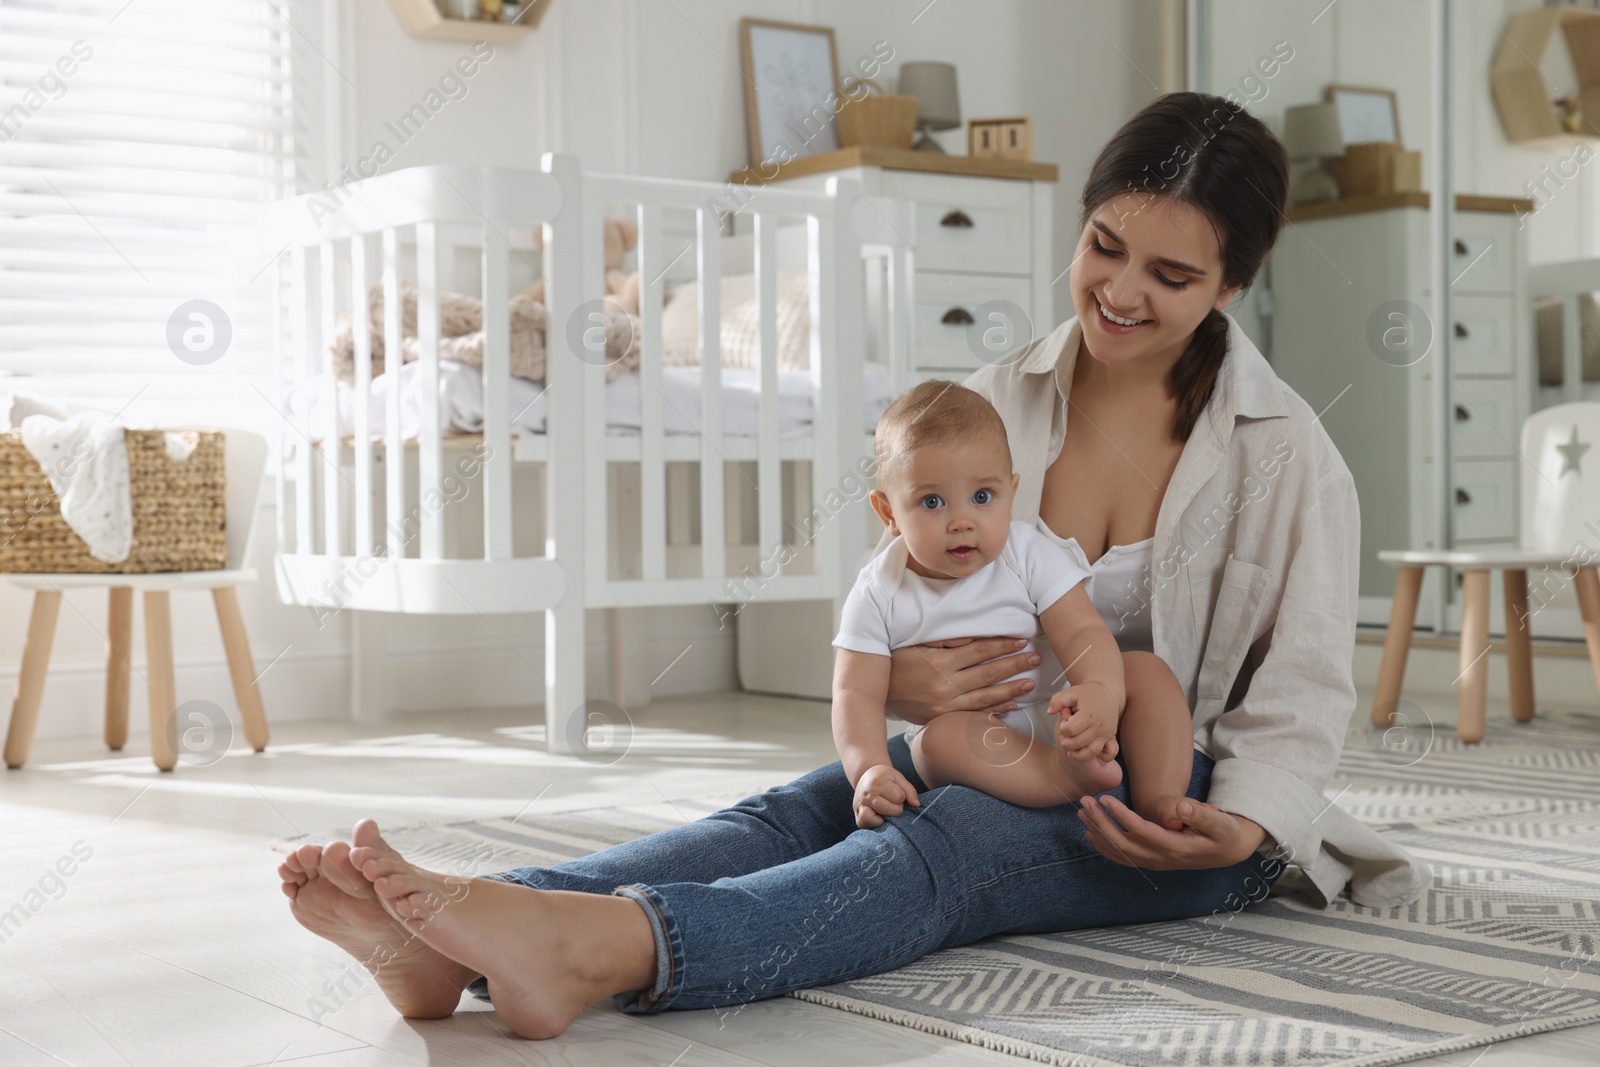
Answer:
[(1162, 809), (329, 897), (1089, 776), (538, 948)]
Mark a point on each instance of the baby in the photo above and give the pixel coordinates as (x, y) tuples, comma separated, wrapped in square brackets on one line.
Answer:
[(959, 567)]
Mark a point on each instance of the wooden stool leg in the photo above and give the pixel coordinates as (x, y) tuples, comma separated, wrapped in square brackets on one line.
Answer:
[(241, 666), (158, 666), (1519, 649), (1474, 678), (119, 648), (1588, 582), (30, 681), (1396, 645)]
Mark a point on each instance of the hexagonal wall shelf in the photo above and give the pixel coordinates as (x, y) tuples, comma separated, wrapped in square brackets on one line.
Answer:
[(1521, 86)]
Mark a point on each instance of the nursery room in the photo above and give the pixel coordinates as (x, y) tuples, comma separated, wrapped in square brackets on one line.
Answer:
[(509, 509)]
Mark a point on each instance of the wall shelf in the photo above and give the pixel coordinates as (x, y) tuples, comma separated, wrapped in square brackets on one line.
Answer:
[(422, 18)]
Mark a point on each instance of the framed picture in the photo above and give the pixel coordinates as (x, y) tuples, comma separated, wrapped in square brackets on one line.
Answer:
[(790, 89), (1365, 114)]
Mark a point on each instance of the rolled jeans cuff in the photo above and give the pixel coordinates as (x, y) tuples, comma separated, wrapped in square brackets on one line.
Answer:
[(669, 953)]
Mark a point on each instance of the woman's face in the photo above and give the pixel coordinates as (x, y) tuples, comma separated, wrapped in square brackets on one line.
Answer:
[(1147, 259)]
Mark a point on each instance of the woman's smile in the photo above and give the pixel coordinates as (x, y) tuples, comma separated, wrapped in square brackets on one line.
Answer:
[(1112, 326)]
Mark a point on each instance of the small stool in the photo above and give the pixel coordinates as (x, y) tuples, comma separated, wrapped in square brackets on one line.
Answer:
[(1477, 566), (245, 458), (119, 641)]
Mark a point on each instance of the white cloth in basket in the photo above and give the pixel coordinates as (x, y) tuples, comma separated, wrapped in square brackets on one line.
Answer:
[(86, 459)]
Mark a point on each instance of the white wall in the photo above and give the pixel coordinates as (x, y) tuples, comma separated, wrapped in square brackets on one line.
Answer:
[(635, 86)]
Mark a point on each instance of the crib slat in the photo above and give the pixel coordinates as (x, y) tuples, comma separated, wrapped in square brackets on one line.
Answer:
[(567, 270), (394, 452), (713, 543), (652, 468), (836, 315), (279, 348), (430, 460), (332, 452), (825, 268), (899, 297), (304, 540), (589, 232), (769, 472), (361, 421), (496, 460)]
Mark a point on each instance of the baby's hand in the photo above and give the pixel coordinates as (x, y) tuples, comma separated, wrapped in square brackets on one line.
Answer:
[(1087, 728), (881, 791)]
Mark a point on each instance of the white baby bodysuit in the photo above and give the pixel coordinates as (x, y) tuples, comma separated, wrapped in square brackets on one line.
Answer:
[(892, 605)]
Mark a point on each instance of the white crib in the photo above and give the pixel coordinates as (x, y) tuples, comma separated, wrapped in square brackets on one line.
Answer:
[(370, 525)]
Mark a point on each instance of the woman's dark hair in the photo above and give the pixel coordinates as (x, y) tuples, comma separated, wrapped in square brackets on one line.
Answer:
[(1207, 151)]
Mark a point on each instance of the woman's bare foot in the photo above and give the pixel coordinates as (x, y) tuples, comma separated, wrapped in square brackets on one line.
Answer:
[(547, 954), (329, 897)]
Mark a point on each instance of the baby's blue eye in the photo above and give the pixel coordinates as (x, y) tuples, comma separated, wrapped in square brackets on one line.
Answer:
[(983, 496), (933, 501)]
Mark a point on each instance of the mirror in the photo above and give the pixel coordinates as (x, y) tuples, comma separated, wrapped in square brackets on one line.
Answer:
[(1342, 308)]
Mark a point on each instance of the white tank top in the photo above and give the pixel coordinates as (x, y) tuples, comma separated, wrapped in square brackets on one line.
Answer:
[(1118, 588)]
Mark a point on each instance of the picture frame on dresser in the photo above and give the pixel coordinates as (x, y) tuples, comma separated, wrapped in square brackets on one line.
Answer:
[(791, 79), (1365, 113)]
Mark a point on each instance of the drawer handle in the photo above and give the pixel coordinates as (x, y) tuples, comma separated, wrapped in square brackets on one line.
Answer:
[(957, 317), (1461, 330), (1462, 496), (1461, 247), (957, 218), (1462, 414)]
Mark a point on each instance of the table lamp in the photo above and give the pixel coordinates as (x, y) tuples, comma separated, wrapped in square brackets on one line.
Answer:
[(1311, 136), (938, 108)]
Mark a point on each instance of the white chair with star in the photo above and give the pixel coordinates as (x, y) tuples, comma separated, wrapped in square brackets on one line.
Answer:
[(1560, 528)]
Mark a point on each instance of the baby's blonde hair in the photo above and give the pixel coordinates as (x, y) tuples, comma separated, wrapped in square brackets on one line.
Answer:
[(933, 413)]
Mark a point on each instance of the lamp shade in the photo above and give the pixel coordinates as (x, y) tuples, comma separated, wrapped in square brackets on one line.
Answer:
[(1312, 130), (934, 86)]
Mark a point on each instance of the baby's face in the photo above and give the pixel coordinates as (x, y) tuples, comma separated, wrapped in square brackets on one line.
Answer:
[(953, 507)]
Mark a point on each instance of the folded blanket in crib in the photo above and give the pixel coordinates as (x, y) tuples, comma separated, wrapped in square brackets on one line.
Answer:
[(461, 336)]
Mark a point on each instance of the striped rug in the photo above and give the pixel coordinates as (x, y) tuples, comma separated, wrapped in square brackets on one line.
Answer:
[(1503, 944)]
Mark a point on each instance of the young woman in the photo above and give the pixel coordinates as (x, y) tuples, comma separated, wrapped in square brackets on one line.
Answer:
[(1149, 430)]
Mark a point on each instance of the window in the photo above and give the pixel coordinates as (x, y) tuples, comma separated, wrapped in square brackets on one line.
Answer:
[(139, 142)]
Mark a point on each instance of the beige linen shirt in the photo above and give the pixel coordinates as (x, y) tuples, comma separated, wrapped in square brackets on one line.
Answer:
[(1252, 589)]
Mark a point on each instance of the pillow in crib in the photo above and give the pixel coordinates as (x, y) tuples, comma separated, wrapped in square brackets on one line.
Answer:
[(680, 322)]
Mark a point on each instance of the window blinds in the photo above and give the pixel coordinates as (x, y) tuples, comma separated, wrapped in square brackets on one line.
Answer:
[(139, 142)]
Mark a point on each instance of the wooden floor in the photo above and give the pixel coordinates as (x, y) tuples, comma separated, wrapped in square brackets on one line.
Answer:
[(170, 944)]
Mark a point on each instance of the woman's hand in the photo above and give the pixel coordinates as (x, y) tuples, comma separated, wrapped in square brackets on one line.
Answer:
[(1210, 837), (925, 681)]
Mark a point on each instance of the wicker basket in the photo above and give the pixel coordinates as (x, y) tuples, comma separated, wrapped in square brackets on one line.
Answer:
[(1366, 168), (179, 513), (875, 120)]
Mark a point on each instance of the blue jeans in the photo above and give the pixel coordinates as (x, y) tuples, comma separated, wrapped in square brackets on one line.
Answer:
[(782, 891)]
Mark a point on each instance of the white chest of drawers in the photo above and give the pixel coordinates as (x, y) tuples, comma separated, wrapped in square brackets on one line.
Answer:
[(1332, 277), (979, 238)]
